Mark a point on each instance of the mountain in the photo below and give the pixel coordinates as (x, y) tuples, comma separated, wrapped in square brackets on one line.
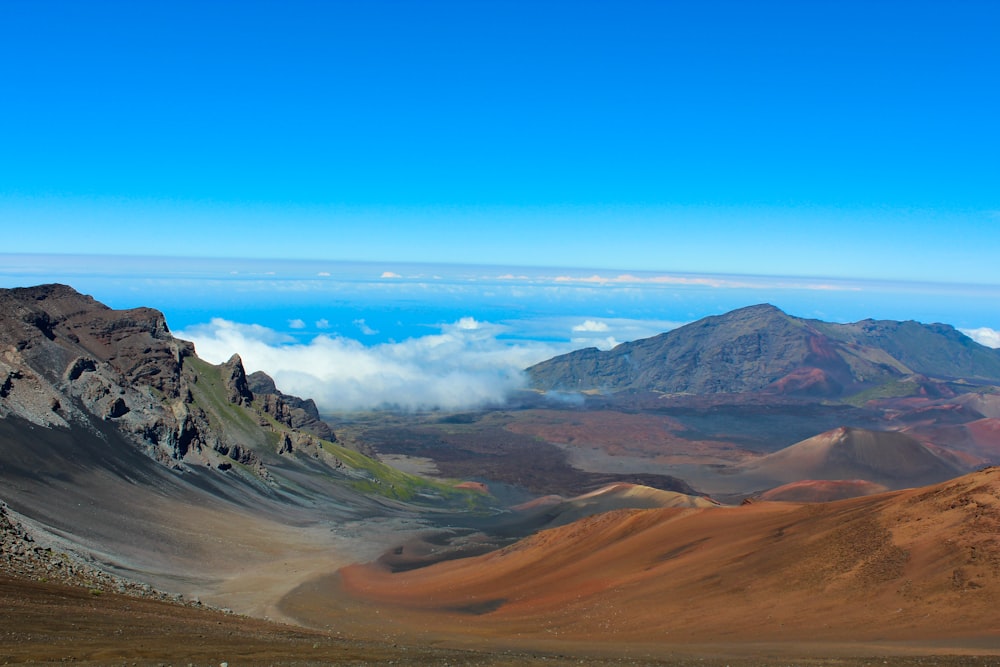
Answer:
[(300, 413), (119, 444), (130, 465), (71, 365), (762, 349)]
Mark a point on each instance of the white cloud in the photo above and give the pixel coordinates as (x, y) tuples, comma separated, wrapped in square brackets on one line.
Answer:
[(604, 333), (984, 336), (323, 323), (464, 366), (591, 326), (297, 324), (629, 279), (390, 274), (365, 329), (229, 334), (600, 343)]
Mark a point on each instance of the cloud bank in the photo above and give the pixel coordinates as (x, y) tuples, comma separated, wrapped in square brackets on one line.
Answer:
[(984, 336), (464, 366)]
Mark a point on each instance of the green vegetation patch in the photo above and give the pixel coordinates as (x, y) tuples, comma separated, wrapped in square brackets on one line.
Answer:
[(368, 475), (895, 389), (211, 395), (384, 480)]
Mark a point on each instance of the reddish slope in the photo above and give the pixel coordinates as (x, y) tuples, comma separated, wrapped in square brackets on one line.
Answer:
[(559, 511), (822, 490), (884, 457), (976, 439), (919, 564)]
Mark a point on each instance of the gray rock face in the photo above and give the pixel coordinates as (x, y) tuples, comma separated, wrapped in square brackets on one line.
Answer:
[(67, 359), (293, 411), (760, 348), (68, 356), (235, 379)]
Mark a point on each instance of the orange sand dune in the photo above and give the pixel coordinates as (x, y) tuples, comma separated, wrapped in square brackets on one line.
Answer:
[(914, 565)]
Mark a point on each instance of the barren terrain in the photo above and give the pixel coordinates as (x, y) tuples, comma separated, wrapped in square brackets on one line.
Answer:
[(908, 571), (147, 492), (52, 624)]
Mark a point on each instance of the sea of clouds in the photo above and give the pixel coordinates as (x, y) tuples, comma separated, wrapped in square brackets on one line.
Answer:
[(356, 336), (465, 365)]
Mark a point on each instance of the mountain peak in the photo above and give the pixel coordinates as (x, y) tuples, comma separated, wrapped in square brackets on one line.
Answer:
[(759, 308), (762, 348)]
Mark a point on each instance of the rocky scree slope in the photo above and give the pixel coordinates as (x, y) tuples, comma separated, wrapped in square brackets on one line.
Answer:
[(35, 554), (760, 348)]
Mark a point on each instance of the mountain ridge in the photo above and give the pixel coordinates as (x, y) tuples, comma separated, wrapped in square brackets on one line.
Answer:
[(90, 374), (761, 348), (206, 481)]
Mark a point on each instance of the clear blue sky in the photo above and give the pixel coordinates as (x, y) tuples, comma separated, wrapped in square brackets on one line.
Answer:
[(840, 138)]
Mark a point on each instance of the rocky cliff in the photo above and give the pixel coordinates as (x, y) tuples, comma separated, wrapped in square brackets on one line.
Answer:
[(66, 359), (300, 413)]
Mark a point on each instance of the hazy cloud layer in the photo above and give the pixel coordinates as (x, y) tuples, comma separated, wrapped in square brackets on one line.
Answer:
[(464, 366), (591, 326), (984, 336)]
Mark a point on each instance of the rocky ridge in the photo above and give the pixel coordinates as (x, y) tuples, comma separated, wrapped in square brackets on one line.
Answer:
[(67, 359), (295, 412)]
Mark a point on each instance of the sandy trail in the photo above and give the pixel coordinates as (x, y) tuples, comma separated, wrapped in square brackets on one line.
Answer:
[(231, 558)]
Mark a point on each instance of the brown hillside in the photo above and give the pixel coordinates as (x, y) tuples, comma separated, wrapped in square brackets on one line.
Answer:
[(822, 490), (559, 511), (915, 565), (884, 457)]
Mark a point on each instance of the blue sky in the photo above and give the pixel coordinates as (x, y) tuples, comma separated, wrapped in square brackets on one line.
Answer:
[(853, 143), (851, 139)]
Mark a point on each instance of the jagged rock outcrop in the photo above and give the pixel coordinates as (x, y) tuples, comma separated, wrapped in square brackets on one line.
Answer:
[(67, 359), (293, 411), (235, 379)]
